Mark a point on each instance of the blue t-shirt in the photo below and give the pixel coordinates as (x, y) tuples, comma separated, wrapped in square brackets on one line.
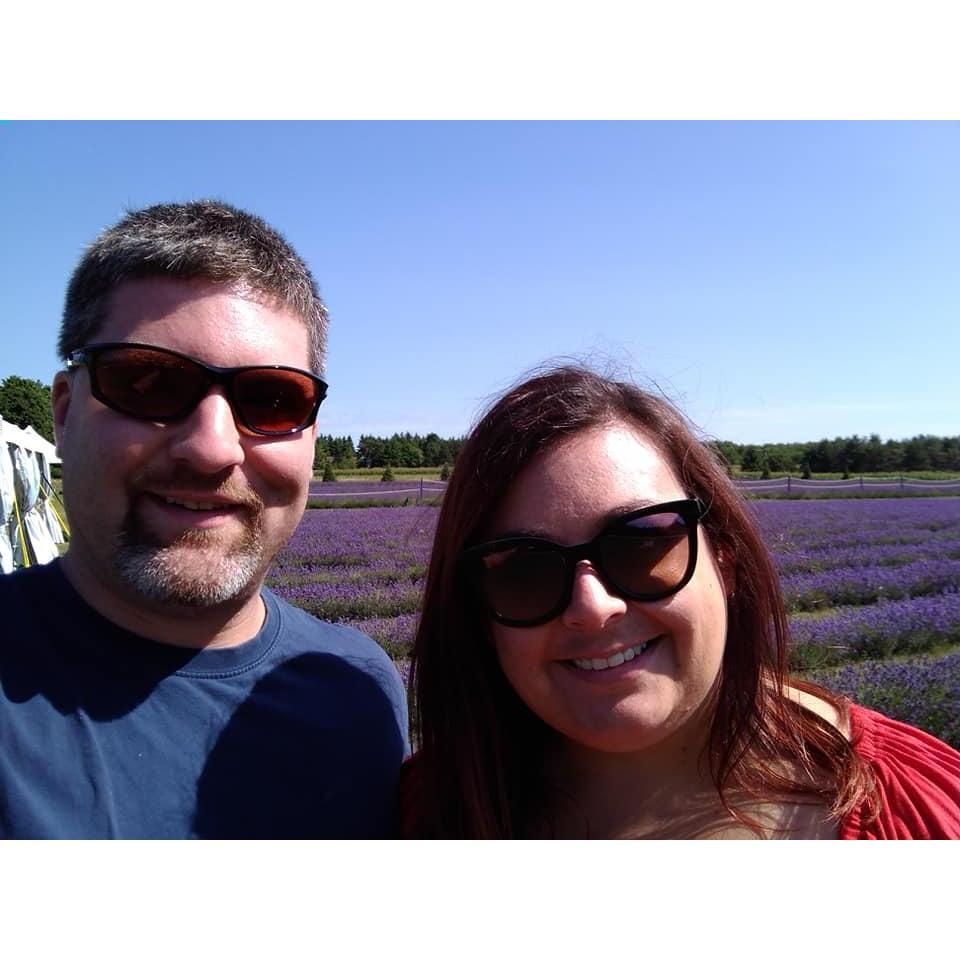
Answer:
[(300, 732)]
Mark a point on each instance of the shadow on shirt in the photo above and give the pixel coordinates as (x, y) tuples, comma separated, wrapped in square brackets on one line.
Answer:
[(313, 751)]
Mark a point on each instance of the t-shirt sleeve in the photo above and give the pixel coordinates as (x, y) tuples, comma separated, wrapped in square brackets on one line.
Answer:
[(917, 777)]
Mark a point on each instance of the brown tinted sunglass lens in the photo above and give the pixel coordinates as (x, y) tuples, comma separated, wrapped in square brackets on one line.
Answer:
[(274, 400), (524, 584), (647, 558), (144, 383)]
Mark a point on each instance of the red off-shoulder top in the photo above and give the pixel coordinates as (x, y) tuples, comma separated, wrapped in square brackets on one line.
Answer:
[(918, 782)]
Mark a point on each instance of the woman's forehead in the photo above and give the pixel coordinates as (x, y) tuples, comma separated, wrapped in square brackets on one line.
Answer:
[(585, 479)]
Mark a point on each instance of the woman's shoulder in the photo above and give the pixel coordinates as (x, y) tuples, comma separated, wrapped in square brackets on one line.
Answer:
[(917, 778)]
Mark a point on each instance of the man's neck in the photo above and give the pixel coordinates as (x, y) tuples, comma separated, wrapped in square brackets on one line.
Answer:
[(225, 625)]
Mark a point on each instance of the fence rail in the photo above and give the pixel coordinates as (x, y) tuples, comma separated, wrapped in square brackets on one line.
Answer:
[(422, 489), (374, 490), (798, 484)]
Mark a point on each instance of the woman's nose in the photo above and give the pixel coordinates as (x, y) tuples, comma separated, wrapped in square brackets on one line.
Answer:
[(592, 605)]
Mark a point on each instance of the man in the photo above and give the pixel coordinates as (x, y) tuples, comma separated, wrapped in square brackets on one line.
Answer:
[(150, 686)]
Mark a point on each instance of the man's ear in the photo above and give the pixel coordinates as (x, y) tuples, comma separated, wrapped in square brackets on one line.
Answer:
[(60, 395)]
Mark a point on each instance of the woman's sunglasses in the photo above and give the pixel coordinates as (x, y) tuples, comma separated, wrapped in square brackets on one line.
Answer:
[(645, 555), (153, 383)]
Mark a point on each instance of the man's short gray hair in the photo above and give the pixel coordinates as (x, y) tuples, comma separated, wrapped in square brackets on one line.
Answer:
[(204, 239)]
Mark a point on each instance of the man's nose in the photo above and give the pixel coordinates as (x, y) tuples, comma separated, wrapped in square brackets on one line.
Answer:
[(208, 438), (592, 606)]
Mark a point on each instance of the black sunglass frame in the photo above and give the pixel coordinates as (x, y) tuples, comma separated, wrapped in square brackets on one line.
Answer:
[(89, 357), (691, 510)]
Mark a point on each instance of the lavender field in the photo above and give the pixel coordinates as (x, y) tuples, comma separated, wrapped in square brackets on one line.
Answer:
[(363, 493), (873, 589)]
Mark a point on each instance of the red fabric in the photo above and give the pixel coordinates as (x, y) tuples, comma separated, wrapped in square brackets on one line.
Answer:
[(918, 782)]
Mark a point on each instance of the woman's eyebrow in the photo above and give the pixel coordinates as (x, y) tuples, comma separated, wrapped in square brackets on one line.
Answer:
[(632, 507), (516, 532), (611, 516)]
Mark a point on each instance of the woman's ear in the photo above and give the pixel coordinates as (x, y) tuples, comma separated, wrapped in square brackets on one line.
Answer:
[(728, 572)]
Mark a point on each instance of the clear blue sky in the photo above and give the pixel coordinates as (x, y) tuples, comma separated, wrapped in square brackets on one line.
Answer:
[(780, 281)]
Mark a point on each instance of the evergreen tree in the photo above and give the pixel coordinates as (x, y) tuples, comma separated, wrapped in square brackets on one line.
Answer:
[(321, 454)]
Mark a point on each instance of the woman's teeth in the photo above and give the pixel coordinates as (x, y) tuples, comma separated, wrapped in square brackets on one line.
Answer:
[(622, 656)]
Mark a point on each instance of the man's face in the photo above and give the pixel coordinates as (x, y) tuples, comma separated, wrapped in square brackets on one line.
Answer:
[(193, 512)]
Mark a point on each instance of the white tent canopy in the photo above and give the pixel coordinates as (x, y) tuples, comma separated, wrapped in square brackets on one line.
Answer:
[(31, 440), (30, 528)]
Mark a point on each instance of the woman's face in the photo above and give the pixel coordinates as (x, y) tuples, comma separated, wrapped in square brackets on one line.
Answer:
[(569, 494)]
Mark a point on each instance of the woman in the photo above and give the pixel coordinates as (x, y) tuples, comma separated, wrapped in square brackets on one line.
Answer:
[(602, 650)]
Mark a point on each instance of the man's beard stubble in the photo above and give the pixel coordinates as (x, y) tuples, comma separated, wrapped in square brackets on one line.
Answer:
[(216, 573)]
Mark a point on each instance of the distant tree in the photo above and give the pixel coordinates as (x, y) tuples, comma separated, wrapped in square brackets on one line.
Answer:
[(328, 475), (820, 457), (342, 452), (371, 452), (728, 451), (806, 473), (451, 448), (321, 454), (775, 461), (387, 475), (432, 448), (892, 455), (950, 454), (27, 403), (873, 458), (754, 459), (445, 472), (916, 453), (402, 450)]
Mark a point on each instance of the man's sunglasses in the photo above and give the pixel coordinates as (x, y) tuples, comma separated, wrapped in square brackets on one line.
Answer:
[(646, 555), (153, 383)]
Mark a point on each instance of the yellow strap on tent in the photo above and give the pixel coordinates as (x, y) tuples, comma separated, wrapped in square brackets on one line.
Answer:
[(61, 520), (23, 539), (51, 496)]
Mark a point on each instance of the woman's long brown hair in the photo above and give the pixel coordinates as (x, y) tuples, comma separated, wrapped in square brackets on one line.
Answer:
[(477, 770)]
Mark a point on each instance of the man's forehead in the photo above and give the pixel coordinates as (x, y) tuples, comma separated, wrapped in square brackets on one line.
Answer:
[(226, 324), (161, 295)]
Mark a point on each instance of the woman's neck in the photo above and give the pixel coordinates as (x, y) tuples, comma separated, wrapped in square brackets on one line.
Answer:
[(650, 792), (666, 791)]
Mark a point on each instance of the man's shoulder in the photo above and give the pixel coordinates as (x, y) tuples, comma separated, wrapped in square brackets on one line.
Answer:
[(354, 670), (304, 633)]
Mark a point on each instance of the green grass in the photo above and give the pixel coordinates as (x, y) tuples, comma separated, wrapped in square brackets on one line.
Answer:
[(375, 473)]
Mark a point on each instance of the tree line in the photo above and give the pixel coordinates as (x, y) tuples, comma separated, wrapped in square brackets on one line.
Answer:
[(399, 450), (24, 402), (849, 455)]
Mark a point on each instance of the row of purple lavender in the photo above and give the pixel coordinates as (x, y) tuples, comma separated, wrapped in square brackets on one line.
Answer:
[(873, 586)]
